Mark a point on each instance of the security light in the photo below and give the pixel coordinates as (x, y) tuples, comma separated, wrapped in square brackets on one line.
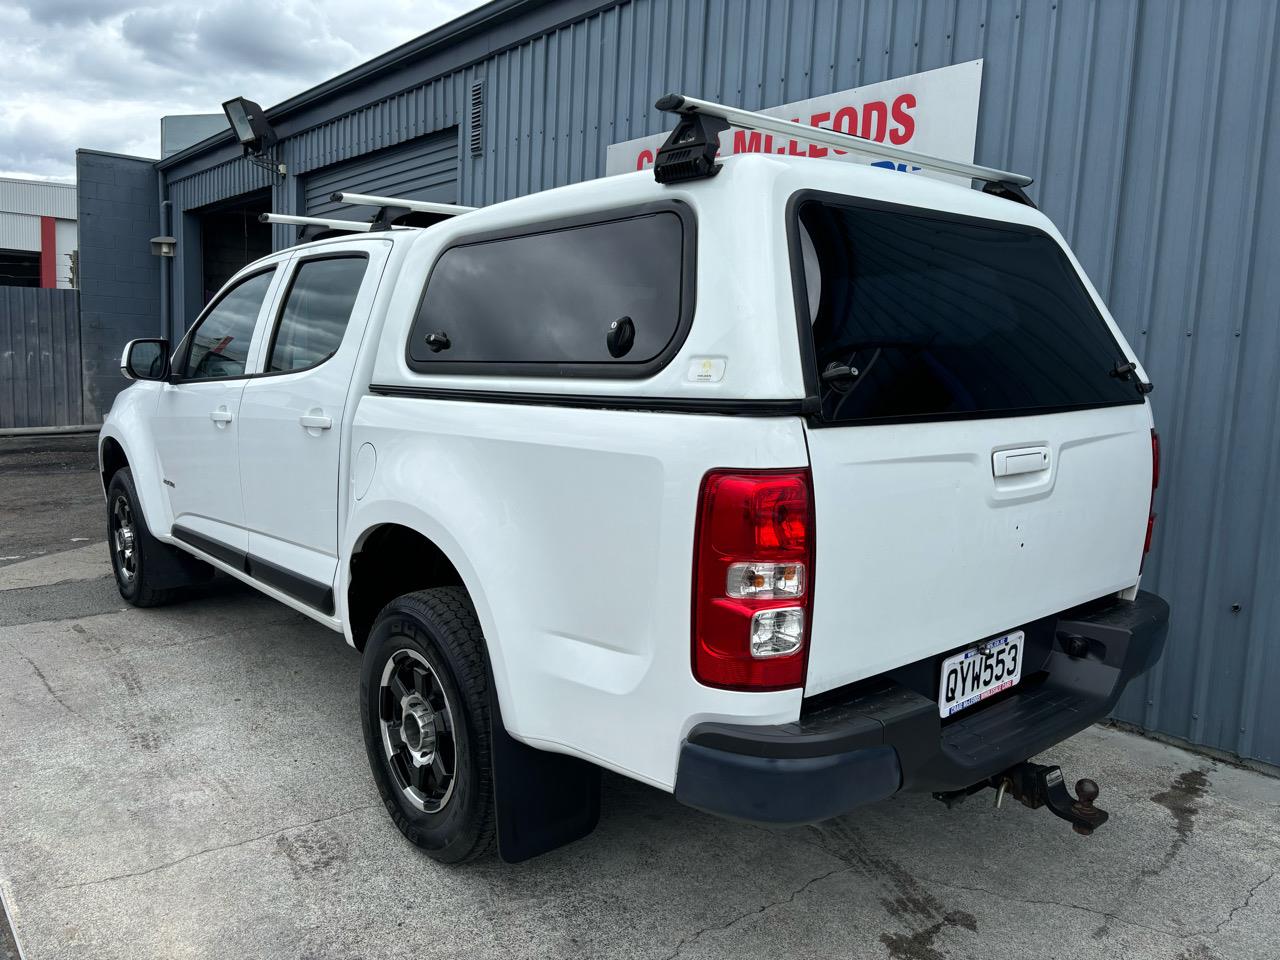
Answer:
[(163, 246), (249, 121)]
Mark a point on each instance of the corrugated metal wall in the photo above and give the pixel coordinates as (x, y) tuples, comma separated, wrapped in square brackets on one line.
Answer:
[(19, 231), (426, 108), (230, 179), (1150, 127), (424, 169), (39, 358), (38, 198)]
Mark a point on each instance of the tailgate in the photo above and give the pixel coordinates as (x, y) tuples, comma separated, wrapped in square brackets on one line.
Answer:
[(922, 549), (983, 452)]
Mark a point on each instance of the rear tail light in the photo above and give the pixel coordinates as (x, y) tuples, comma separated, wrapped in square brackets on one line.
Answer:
[(765, 581), (753, 579), (1155, 482)]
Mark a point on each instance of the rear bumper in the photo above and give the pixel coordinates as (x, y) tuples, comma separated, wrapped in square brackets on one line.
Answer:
[(886, 738)]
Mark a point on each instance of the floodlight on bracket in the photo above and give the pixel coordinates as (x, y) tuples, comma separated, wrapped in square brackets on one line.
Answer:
[(249, 123)]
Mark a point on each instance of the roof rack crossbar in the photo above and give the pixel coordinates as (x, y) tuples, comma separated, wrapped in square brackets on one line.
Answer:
[(750, 120), (354, 226), (414, 206)]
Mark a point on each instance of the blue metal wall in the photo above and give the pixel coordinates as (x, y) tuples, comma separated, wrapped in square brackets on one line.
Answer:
[(1150, 127), (119, 278), (39, 358)]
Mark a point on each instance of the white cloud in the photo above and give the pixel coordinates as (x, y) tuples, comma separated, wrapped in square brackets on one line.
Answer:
[(101, 73)]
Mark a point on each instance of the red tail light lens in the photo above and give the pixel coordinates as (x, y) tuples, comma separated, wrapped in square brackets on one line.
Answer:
[(753, 579), (1155, 482)]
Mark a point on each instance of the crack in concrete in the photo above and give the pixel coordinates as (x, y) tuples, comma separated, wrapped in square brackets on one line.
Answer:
[(1248, 900), (226, 846), (907, 899), (45, 680), (1005, 896), (1181, 935), (765, 908)]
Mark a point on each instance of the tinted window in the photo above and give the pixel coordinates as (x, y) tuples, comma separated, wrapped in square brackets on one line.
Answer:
[(219, 344), (19, 268), (950, 317), (554, 297), (316, 311)]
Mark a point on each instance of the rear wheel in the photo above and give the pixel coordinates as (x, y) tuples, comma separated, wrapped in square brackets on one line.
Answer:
[(424, 698)]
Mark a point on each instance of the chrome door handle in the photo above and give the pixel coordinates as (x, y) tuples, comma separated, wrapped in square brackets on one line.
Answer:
[(313, 422), (221, 415)]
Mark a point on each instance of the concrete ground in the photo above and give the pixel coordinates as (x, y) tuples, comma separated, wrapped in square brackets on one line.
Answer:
[(49, 498), (191, 782)]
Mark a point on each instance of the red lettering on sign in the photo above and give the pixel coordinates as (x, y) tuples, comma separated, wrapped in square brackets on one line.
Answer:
[(846, 122), (906, 123), (793, 148), (878, 119), (744, 142), (817, 120), (875, 120)]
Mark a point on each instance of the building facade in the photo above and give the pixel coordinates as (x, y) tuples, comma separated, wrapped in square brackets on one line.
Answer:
[(37, 234), (1149, 125)]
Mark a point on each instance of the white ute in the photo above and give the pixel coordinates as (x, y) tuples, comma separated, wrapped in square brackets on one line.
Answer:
[(779, 484)]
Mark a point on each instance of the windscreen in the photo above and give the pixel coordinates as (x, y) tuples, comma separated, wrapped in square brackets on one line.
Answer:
[(942, 317)]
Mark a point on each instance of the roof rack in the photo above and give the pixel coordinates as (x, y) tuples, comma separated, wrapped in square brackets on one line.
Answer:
[(413, 206), (690, 152), (392, 211), (350, 226)]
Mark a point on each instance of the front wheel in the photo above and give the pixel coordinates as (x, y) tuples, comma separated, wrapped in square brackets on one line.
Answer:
[(148, 572), (424, 704)]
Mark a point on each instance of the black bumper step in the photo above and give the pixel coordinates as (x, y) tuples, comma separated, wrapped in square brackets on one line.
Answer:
[(847, 752)]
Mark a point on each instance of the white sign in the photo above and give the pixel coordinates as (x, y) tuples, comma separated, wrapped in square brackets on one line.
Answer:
[(935, 112)]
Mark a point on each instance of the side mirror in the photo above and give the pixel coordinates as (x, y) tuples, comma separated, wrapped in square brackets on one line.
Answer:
[(145, 360)]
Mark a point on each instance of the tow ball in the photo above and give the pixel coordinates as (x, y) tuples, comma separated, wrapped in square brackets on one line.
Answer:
[(1036, 785)]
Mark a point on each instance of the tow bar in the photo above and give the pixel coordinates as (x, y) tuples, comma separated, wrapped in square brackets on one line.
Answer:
[(1036, 786)]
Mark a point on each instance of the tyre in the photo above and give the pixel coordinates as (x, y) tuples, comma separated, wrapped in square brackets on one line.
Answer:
[(424, 706), (148, 572)]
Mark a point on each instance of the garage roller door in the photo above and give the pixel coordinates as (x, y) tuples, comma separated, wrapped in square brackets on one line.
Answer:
[(423, 169)]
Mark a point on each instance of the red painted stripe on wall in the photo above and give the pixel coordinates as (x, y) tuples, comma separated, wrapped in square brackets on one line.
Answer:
[(48, 252)]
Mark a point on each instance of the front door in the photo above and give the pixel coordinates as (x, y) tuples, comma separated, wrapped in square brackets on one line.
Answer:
[(292, 418), (196, 421)]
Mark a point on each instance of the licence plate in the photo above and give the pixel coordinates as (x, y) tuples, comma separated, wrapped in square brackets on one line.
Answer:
[(980, 672)]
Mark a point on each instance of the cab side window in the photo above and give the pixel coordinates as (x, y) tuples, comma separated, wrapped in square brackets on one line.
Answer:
[(316, 311), (218, 346)]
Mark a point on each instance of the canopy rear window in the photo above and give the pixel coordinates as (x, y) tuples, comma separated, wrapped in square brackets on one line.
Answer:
[(943, 317)]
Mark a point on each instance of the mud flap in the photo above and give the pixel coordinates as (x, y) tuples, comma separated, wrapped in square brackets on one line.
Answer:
[(169, 567), (544, 800)]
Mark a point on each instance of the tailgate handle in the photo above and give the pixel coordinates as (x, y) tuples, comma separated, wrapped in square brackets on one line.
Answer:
[(1008, 463)]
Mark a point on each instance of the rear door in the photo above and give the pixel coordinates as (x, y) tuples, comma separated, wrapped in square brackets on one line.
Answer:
[(982, 457), (292, 417)]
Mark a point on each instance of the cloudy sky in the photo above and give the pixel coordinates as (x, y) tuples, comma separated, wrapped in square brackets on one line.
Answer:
[(101, 73)]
